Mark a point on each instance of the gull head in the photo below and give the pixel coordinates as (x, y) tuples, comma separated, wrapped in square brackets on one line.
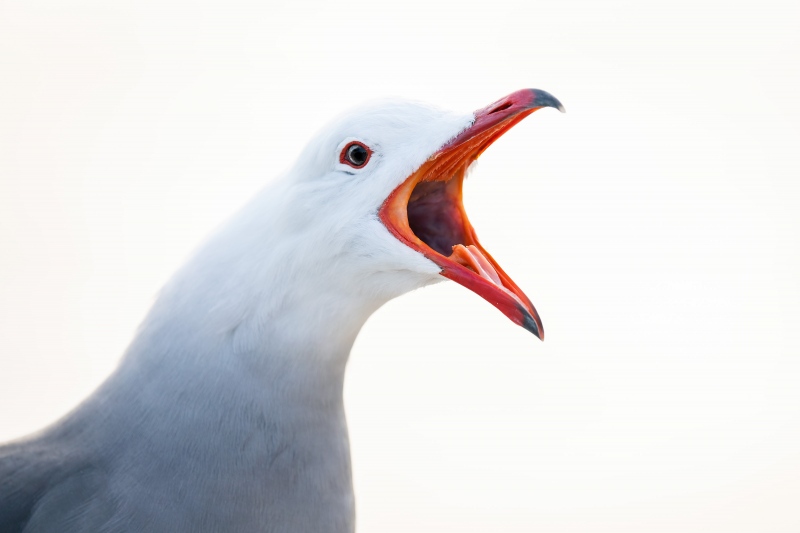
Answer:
[(378, 194)]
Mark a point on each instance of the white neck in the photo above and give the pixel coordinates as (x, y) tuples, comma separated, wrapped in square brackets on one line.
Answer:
[(265, 296)]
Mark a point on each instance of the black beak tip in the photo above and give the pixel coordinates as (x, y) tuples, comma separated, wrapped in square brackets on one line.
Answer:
[(530, 323), (545, 99)]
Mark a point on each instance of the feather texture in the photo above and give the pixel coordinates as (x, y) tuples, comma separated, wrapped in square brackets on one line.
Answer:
[(226, 411)]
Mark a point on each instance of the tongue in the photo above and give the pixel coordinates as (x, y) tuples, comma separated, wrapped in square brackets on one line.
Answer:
[(472, 258)]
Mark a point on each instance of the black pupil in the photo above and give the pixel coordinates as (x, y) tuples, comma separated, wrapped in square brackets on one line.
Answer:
[(357, 155)]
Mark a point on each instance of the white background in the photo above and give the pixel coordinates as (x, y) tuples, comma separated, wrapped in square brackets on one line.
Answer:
[(655, 226)]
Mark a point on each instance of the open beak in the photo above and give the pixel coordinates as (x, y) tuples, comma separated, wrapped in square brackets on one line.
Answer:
[(427, 214)]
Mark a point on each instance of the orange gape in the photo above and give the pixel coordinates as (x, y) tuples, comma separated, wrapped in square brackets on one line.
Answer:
[(426, 211)]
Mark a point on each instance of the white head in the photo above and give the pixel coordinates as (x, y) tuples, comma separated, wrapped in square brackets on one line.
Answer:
[(344, 176)]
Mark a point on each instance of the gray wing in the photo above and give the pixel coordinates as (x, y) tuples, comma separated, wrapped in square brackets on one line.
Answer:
[(44, 489), (24, 472)]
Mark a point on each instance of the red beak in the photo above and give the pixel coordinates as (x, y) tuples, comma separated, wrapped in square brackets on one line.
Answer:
[(427, 214)]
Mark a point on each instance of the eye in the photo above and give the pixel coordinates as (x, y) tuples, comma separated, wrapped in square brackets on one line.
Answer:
[(355, 154)]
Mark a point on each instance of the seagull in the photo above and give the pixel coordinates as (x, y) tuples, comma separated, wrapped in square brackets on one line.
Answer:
[(226, 411)]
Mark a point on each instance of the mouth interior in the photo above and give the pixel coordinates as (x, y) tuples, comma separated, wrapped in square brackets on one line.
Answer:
[(435, 215)]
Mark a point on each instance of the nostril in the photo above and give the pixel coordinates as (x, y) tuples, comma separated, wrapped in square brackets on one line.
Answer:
[(501, 107)]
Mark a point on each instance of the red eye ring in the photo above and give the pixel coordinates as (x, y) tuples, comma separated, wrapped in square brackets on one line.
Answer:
[(355, 154)]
